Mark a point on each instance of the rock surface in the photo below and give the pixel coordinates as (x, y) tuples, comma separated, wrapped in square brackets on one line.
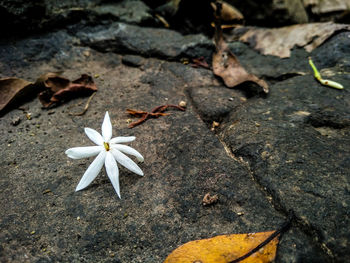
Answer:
[(287, 150)]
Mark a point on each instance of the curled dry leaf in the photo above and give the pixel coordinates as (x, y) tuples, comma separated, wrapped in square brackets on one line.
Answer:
[(227, 66), (225, 63), (58, 88), (225, 249), (279, 41), (14, 89)]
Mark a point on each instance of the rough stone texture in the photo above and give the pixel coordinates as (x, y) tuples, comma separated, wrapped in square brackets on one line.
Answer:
[(129, 11), (45, 15), (296, 142), (158, 212), (148, 42), (287, 150)]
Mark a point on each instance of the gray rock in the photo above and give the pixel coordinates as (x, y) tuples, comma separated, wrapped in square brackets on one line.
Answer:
[(129, 11), (215, 103), (147, 42), (296, 143), (20, 16), (132, 60)]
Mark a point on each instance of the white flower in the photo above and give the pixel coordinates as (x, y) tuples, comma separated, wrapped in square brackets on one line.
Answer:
[(108, 152)]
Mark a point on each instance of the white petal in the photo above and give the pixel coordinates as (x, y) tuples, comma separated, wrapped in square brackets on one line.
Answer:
[(112, 172), (122, 139), (128, 150), (107, 128), (93, 170), (94, 136), (83, 152), (126, 161)]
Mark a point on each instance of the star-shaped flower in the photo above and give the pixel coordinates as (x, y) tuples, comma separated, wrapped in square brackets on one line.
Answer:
[(109, 151)]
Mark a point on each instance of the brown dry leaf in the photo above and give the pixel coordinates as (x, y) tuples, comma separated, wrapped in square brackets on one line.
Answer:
[(12, 89), (227, 66), (279, 41), (228, 12), (225, 249), (327, 6), (225, 63), (58, 88)]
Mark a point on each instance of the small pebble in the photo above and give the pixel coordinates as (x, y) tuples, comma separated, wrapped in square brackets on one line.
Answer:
[(16, 121), (182, 104), (265, 155), (46, 191), (86, 53), (214, 125), (185, 61), (209, 199)]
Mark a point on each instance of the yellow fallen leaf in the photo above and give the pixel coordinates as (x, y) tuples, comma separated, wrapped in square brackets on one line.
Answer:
[(226, 248)]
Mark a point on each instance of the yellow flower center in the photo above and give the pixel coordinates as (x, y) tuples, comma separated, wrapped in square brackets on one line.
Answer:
[(106, 145)]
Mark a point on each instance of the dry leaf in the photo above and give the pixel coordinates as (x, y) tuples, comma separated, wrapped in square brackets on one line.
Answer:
[(226, 248), (327, 6), (58, 88), (227, 66), (280, 41), (228, 12), (12, 89), (225, 63)]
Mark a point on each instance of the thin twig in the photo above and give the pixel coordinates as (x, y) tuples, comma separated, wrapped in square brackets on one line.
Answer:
[(85, 108), (154, 113), (218, 29), (140, 113), (283, 228)]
